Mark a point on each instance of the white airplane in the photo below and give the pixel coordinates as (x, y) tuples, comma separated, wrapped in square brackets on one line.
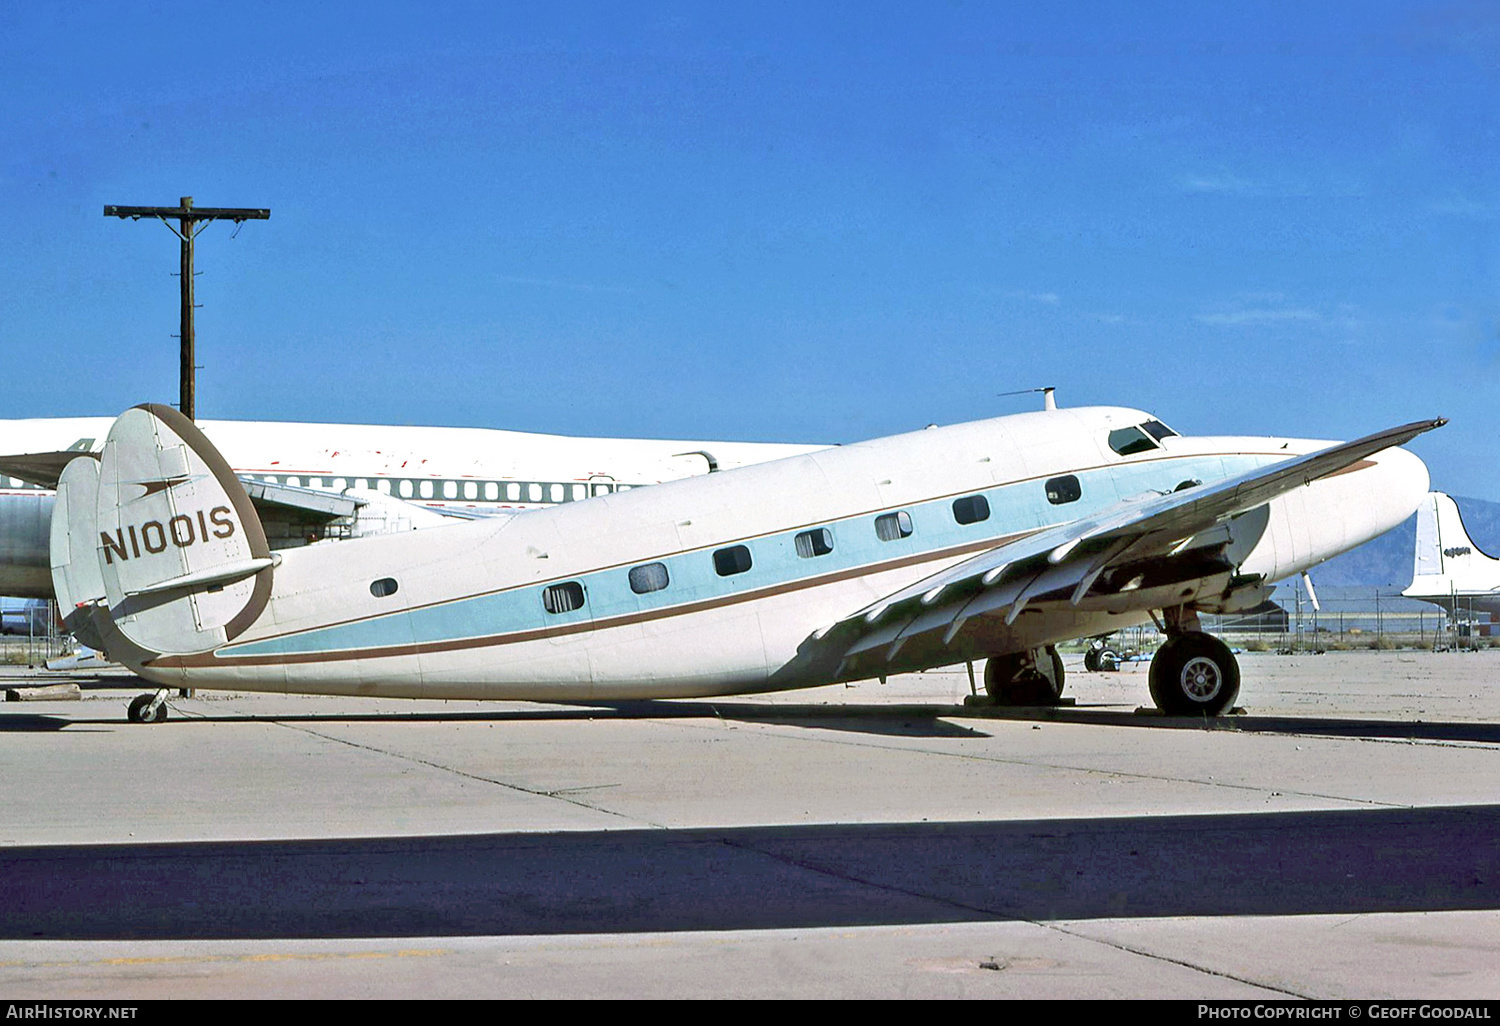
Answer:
[(993, 540), (315, 481), (1450, 570)]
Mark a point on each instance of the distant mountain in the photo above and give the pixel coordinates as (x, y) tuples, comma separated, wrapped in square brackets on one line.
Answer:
[(1387, 561)]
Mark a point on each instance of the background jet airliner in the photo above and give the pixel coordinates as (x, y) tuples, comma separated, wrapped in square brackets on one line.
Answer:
[(1450, 570), (314, 481), (992, 540)]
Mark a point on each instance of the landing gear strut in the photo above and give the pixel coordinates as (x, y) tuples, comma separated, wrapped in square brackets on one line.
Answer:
[(1034, 677), (1193, 674), (148, 708)]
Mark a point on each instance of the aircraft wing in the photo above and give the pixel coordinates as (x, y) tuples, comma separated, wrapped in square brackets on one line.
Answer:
[(310, 504), (39, 468), (1176, 536)]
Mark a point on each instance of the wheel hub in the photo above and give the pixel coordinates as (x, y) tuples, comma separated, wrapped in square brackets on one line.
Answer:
[(1201, 678)]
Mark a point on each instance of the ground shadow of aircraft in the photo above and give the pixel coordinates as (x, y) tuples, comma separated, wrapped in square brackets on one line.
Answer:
[(913, 720), (769, 877)]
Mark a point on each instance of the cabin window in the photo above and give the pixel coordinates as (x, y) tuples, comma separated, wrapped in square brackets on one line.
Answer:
[(383, 487), (315, 482), (295, 482), (1064, 489), (557, 493), (513, 492), (450, 489), (404, 487), (339, 484), (892, 526), (601, 489), (1131, 440), (425, 489), (383, 587), (818, 542), (491, 491), (471, 489), (731, 561), (648, 578), (563, 598), (971, 509), (534, 492)]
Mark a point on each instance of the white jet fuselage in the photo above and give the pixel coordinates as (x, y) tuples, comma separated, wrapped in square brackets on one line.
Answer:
[(735, 574), (457, 471)]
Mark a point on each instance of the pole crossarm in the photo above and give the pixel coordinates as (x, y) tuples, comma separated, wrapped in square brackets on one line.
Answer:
[(191, 213)]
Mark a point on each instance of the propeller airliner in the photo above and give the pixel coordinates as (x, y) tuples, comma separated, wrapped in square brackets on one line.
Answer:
[(992, 540)]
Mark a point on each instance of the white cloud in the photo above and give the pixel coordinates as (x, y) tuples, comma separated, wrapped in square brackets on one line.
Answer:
[(1222, 182), (1238, 318), (555, 283), (1045, 298), (1461, 206)]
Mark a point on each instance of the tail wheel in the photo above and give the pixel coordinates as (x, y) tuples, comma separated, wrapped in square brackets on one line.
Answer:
[(1034, 677), (1194, 674), (140, 710)]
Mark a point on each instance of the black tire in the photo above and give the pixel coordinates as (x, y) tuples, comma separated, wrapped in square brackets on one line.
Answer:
[(137, 710), (136, 713), (1057, 678), (1025, 678), (1091, 660), (1194, 675)]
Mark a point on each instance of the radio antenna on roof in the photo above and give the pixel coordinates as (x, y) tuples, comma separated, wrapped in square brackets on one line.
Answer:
[(1049, 400)]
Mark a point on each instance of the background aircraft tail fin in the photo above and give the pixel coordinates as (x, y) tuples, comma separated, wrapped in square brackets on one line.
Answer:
[(171, 544), (1447, 560)]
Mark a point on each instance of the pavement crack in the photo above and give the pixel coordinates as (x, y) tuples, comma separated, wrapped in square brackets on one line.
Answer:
[(1184, 963), (999, 915), (995, 760), (560, 794)]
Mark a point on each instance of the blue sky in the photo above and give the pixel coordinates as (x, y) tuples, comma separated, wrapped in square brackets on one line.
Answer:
[(774, 221)]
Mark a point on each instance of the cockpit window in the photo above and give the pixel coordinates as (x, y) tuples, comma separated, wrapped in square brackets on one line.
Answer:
[(1126, 441), (1157, 430)]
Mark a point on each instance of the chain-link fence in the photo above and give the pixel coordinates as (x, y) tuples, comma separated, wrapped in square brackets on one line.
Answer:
[(39, 638), (1356, 617)]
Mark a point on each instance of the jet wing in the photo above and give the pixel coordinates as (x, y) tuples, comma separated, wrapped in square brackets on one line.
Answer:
[(1192, 527), (313, 505), (39, 468)]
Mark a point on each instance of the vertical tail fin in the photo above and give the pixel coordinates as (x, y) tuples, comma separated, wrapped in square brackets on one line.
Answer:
[(170, 553), (1447, 562)]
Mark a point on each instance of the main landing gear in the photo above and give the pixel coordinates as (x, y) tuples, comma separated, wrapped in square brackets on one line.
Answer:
[(148, 708), (1034, 677), (1193, 674)]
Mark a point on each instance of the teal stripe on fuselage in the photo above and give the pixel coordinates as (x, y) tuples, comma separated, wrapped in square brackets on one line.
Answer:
[(1013, 508)]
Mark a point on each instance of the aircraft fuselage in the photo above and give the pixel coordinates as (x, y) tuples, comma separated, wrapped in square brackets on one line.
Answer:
[(720, 584)]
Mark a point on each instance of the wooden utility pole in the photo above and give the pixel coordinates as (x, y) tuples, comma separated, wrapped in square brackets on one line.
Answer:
[(190, 221)]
